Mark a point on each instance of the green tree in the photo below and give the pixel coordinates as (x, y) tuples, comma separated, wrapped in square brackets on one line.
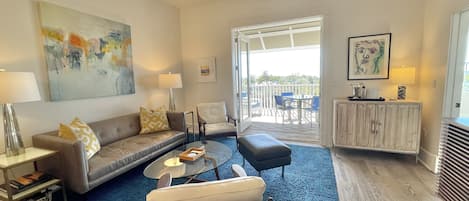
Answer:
[(267, 78)]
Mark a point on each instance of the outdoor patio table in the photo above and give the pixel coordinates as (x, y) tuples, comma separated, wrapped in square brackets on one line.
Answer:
[(299, 99)]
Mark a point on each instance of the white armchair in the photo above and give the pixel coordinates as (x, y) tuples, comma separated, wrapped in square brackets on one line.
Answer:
[(246, 188), (214, 121)]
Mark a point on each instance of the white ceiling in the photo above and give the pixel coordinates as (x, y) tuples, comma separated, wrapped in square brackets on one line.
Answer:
[(299, 35), (186, 3)]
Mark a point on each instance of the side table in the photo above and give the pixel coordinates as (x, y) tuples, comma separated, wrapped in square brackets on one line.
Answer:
[(31, 154)]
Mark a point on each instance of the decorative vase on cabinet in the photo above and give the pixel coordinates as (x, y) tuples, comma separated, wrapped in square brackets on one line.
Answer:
[(390, 126)]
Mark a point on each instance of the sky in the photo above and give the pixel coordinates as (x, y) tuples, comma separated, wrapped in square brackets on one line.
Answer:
[(286, 62)]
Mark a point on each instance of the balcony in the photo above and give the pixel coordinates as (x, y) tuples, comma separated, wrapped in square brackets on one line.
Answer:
[(264, 119)]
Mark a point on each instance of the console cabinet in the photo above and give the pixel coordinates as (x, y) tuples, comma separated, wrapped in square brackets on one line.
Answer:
[(391, 126)]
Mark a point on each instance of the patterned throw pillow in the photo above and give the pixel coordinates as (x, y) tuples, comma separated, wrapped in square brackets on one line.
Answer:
[(78, 130), (153, 120)]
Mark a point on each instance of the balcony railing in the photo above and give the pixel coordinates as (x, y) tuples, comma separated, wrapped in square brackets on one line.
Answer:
[(263, 94)]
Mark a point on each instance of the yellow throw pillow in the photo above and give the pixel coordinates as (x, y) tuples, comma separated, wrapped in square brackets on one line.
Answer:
[(153, 120), (66, 132), (78, 130)]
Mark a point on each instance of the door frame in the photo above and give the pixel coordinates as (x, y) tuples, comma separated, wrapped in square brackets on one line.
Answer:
[(324, 138), (450, 99), (449, 111), (243, 124)]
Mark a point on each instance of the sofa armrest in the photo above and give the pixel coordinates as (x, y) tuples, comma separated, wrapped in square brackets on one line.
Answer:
[(201, 126), (234, 189), (177, 121), (238, 171), (231, 119), (165, 181), (71, 163)]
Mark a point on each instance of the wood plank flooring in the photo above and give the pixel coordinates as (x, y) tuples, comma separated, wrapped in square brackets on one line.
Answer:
[(307, 133), (376, 176), (362, 175)]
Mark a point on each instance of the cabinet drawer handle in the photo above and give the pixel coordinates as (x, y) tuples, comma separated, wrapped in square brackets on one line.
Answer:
[(377, 127)]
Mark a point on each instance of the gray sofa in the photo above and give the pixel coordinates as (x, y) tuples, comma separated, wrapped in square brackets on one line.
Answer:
[(122, 148)]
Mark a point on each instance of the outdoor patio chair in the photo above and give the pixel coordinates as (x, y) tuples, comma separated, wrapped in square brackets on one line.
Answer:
[(214, 121), (284, 105), (287, 94), (313, 107)]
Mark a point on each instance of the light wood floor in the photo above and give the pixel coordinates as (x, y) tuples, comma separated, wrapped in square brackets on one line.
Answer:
[(376, 176), (306, 132), (361, 175)]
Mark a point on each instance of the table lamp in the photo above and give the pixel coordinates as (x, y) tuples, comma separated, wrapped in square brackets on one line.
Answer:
[(170, 81), (15, 87), (402, 76)]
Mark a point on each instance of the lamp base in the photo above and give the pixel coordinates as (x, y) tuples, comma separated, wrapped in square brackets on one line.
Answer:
[(401, 92), (172, 105), (13, 143)]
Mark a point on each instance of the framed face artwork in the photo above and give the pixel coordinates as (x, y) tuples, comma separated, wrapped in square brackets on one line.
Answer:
[(368, 57)]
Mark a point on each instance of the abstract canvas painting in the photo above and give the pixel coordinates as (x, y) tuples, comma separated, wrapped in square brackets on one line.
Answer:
[(369, 57), (207, 70), (87, 56)]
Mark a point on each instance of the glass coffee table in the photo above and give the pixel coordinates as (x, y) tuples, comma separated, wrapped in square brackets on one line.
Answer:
[(216, 154)]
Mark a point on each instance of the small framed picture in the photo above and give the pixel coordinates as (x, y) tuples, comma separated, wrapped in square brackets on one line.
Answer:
[(368, 57), (206, 70)]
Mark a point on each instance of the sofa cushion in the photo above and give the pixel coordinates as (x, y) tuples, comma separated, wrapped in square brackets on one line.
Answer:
[(219, 128), (212, 113), (111, 130), (123, 152)]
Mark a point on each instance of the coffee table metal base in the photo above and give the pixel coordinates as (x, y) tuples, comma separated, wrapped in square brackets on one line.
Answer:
[(194, 177)]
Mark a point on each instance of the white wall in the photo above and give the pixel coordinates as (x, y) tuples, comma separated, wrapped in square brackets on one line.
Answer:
[(156, 48), (205, 31), (433, 71)]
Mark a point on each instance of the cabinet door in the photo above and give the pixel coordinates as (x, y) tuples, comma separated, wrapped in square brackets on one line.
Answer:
[(409, 127), (390, 128), (345, 124), (413, 126), (380, 126), (365, 116)]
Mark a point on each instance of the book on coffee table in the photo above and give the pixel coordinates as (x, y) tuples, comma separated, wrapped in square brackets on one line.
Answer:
[(192, 154)]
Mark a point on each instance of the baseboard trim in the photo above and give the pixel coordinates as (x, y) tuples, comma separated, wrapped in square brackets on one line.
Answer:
[(431, 158), (426, 165)]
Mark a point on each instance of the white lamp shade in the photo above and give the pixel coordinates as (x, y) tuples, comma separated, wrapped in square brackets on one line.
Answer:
[(18, 87), (167, 81), (403, 75)]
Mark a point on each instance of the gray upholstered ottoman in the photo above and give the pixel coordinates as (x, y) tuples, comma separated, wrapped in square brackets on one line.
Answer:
[(264, 152)]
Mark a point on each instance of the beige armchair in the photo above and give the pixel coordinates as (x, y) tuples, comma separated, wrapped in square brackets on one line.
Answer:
[(242, 187), (214, 121)]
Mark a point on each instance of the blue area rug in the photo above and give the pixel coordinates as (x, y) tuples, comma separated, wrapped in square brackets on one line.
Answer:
[(310, 177)]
